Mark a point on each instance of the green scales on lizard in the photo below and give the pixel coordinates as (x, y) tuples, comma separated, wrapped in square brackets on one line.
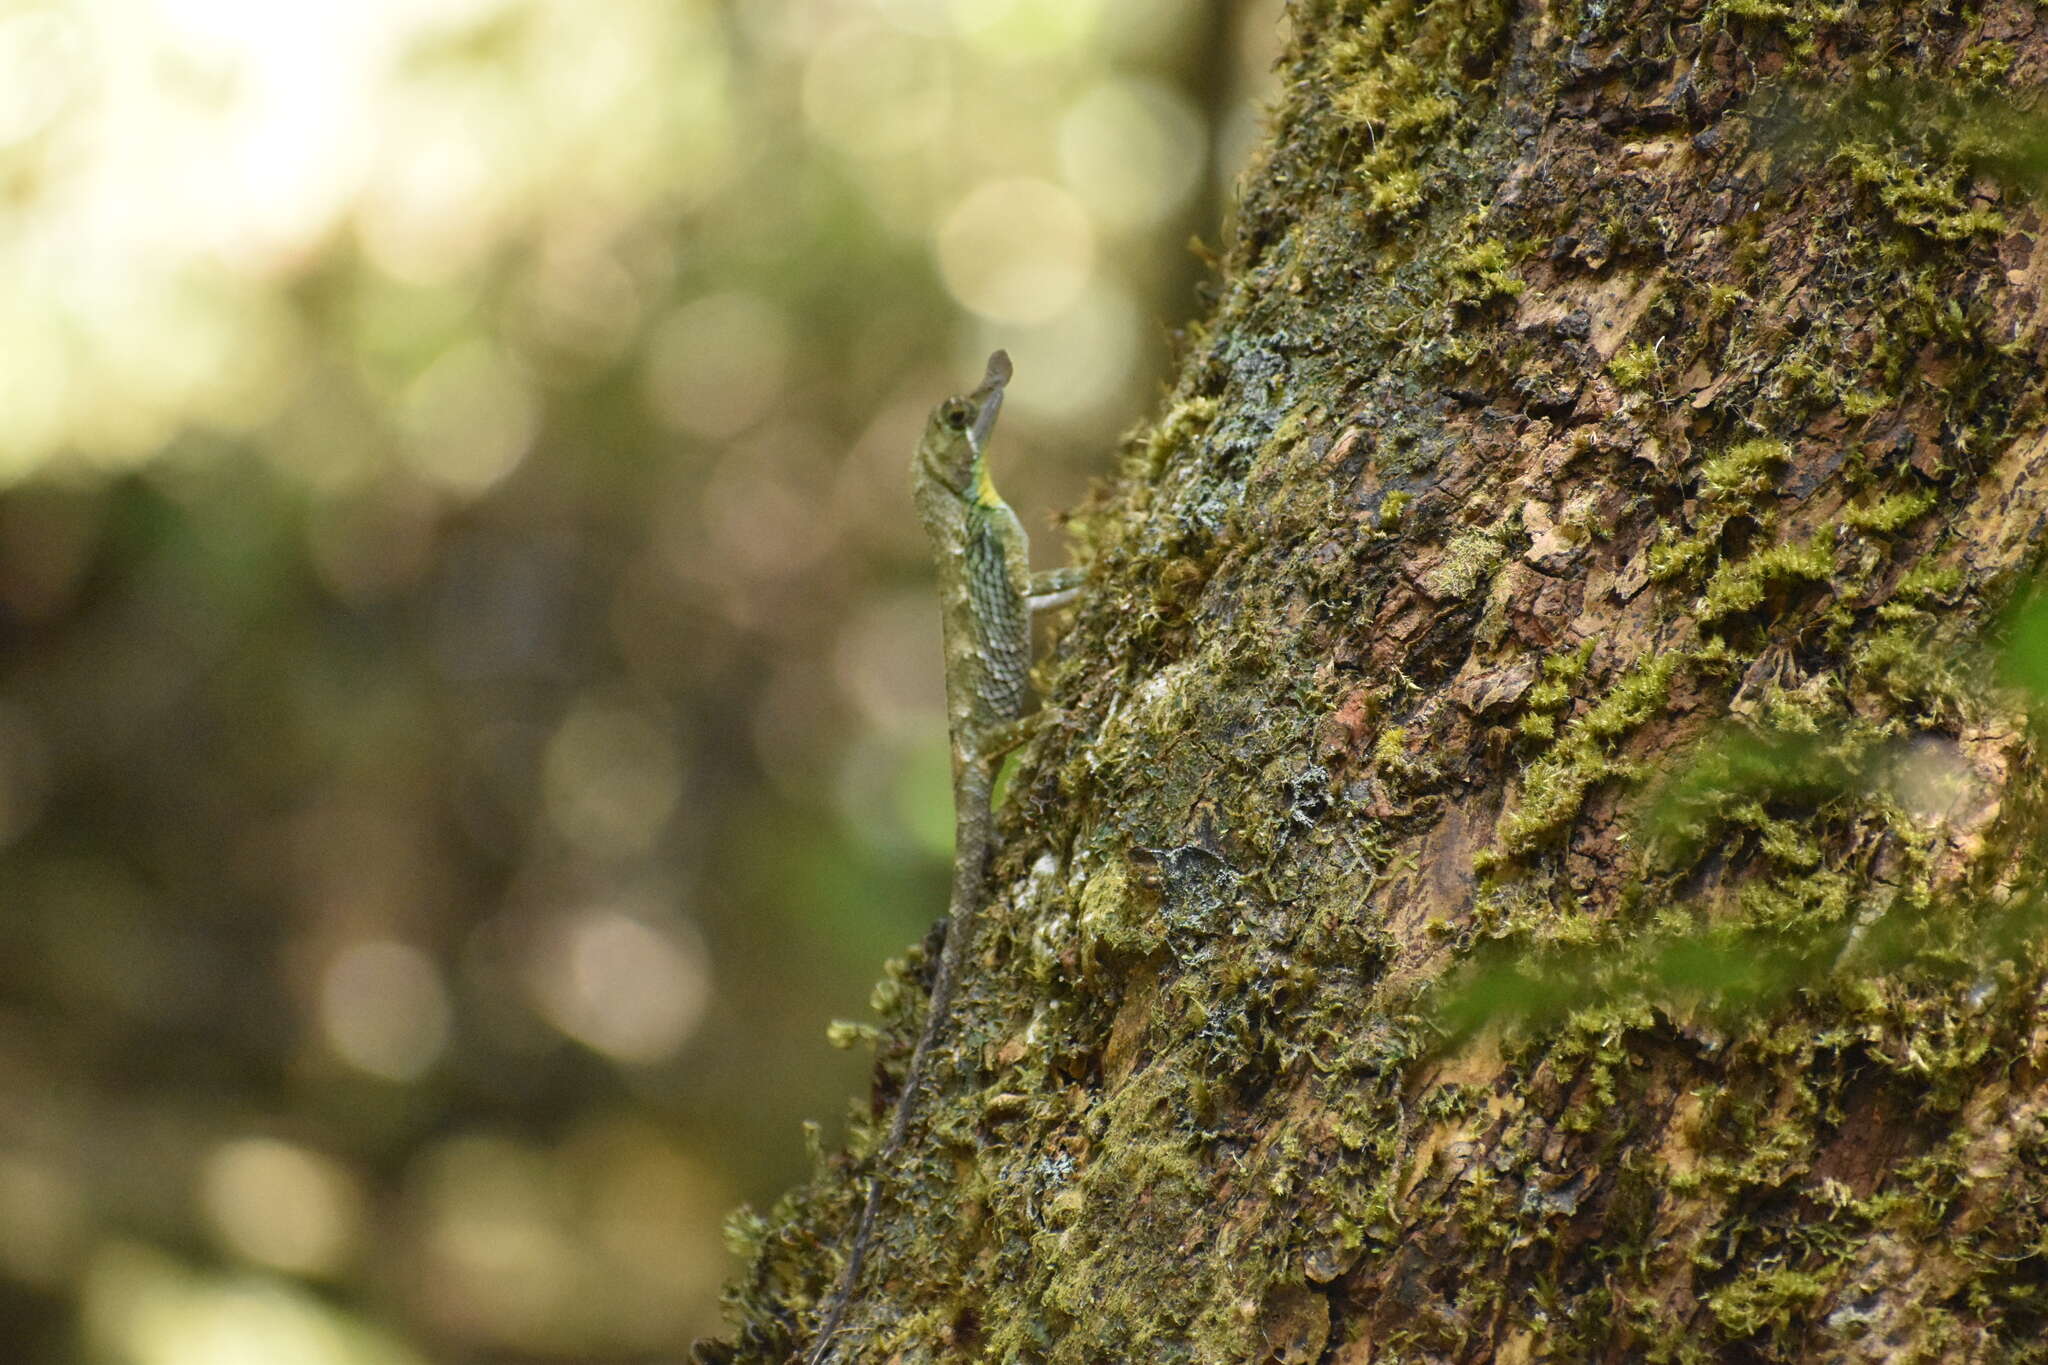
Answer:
[(986, 596)]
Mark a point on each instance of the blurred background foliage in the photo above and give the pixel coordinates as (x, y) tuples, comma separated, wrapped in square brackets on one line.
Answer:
[(469, 692)]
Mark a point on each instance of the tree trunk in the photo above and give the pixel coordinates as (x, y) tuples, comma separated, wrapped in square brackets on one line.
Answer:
[(1533, 864)]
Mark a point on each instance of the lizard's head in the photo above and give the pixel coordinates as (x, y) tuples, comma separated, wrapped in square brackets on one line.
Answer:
[(957, 434)]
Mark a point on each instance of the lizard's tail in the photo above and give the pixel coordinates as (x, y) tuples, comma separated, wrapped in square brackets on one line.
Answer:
[(973, 790)]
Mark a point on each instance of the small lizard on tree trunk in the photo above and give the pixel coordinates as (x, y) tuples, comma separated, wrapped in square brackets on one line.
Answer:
[(987, 593)]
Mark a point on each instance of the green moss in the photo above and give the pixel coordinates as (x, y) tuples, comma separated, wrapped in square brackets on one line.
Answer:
[(1985, 63), (1768, 1298), (1461, 351), (1928, 580), (1146, 1181), (1469, 559), (1482, 272), (1554, 785), (1633, 366), (1561, 673), (1798, 18), (1400, 765), (746, 1233), (1742, 584), (1892, 512), (847, 1034), (1116, 919), (1743, 472), (1925, 198), (1401, 74), (1394, 185), (1909, 664), (1721, 300), (1638, 697), (1679, 556), (1421, 114), (1553, 692), (1766, 10), (1800, 380), (1796, 908), (1391, 747), (1182, 425)]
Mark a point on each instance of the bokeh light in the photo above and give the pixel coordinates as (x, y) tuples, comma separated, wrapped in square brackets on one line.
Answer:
[(141, 1306), (384, 1010), (611, 778), (1133, 149), (468, 419), (1085, 358), (1024, 30), (875, 92), (496, 1253), (281, 1205), (627, 988), (716, 364), (1017, 250)]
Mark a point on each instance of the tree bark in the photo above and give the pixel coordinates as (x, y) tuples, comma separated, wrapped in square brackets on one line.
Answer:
[(1533, 863)]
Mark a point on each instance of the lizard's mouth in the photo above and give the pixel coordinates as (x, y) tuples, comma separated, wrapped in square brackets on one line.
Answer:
[(988, 398)]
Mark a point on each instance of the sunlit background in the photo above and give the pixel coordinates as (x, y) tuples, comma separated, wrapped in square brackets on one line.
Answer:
[(469, 707)]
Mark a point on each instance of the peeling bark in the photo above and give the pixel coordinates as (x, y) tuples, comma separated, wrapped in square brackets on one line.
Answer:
[(1570, 545)]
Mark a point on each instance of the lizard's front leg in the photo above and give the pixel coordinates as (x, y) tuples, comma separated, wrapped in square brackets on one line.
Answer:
[(1053, 588), (991, 745)]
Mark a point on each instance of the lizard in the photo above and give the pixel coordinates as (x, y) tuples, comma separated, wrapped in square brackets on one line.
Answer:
[(987, 593)]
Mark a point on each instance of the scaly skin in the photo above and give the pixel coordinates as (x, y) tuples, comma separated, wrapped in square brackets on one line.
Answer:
[(985, 601)]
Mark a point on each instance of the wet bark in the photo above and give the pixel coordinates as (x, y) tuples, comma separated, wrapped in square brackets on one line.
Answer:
[(1536, 861)]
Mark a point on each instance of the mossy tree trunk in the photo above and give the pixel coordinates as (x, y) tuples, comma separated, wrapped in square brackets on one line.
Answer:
[(1568, 549)]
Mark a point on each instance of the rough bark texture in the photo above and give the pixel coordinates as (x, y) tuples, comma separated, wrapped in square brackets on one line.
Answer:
[(1568, 546)]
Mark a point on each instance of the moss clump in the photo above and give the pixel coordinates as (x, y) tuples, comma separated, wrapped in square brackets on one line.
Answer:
[(847, 1034), (1731, 483), (1117, 920), (1761, 10), (1554, 786), (1398, 763), (1925, 198), (1985, 63), (1912, 667), (1469, 558), (1561, 672), (1401, 74), (1391, 747), (1892, 512), (1742, 584), (1183, 423), (1743, 472), (1394, 186), (1927, 581), (1764, 1299), (1481, 272), (1798, 19), (1633, 366), (1675, 556)]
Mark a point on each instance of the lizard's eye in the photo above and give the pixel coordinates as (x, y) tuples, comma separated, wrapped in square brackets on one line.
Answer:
[(958, 414)]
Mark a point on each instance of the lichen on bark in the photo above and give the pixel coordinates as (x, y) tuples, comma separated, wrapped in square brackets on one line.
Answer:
[(1571, 543)]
